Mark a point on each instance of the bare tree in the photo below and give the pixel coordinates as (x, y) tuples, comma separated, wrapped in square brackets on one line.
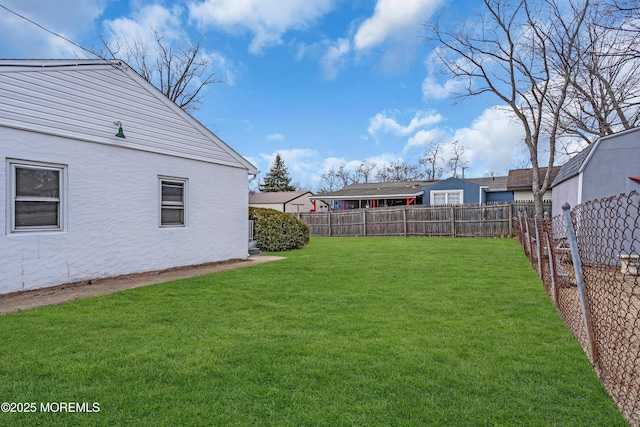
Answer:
[(431, 160), (334, 179), (604, 95), (520, 53), (623, 15), (456, 160), (327, 184), (181, 73), (364, 173), (398, 171), (345, 176)]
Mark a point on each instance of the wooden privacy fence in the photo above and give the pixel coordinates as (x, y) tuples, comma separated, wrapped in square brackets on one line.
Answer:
[(494, 220)]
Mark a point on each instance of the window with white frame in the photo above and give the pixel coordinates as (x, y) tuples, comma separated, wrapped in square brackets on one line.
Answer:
[(173, 202), (446, 197), (36, 192)]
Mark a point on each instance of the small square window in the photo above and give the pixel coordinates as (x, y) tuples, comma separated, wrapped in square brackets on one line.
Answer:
[(36, 192), (173, 196)]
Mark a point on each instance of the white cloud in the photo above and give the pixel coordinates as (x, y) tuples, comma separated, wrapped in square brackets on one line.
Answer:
[(333, 59), (226, 69), (381, 161), (68, 18), (423, 137), (141, 25), (266, 19), (394, 20), (382, 123), (431, 89), (333, 163), (275, 137), (493, 142)]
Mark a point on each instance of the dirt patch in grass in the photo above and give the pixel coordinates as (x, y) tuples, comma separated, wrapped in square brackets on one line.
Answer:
[(25, 300)]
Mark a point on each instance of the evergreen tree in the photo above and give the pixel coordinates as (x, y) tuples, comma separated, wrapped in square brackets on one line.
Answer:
[(277, 179)]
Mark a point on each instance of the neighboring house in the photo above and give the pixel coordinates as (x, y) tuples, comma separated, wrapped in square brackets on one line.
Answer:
[(406, 193), (104, 176), (374, 195), (520, 182), (294, 202), (608, 167), (456, 191), (496, 189)]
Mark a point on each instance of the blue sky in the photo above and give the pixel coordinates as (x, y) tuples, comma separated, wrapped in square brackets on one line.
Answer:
[(325, 83)]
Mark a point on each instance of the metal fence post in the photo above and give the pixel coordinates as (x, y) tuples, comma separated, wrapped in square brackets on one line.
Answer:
[(577, 266)]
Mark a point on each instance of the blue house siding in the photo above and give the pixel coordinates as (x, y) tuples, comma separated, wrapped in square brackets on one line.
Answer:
[(499, 196), (471, 192)]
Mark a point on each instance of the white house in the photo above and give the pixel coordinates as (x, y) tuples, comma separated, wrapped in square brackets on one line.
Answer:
[(103, 176), (520, 182)]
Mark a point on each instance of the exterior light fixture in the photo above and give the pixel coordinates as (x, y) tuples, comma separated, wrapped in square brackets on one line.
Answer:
[(120, 133)]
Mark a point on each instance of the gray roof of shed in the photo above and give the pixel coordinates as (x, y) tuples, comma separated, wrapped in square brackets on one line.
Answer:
[(578, 163), (572, 167)]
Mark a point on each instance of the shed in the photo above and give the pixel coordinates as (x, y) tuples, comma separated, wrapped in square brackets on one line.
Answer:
[(105, 176), (607, 167), (294, 202)]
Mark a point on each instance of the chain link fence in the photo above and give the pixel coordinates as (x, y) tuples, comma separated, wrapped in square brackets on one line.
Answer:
[(588, 261)]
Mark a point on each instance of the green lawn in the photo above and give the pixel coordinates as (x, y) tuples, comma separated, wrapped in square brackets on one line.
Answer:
[(347, 331)]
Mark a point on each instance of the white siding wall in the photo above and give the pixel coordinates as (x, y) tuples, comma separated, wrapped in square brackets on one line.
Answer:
[(527, 196), (305, 205), (290, 207), (84, 102), (275, 206), (566, 192), (113, 214), (615, 159)]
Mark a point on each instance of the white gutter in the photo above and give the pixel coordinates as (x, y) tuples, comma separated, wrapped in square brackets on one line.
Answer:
[(368, 196)]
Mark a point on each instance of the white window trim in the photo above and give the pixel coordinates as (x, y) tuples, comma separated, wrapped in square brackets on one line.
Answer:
[(432, 193), (184, 204), (11, 166)]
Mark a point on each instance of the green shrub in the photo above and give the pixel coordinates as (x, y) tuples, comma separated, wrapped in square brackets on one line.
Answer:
[(276, 231)]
